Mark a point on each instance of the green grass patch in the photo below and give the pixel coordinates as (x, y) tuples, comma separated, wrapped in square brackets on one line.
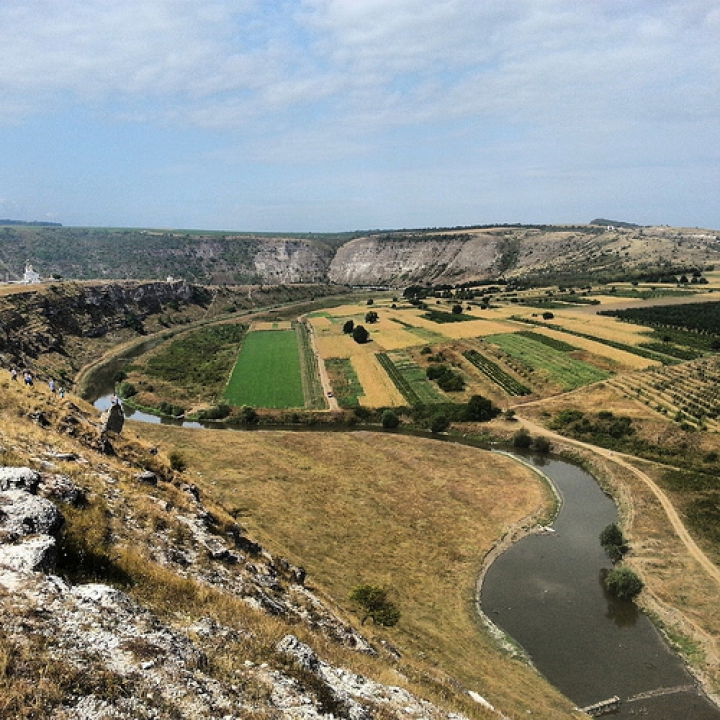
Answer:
[(495, 373), (410, 379), (344, 381), (267, 372), (558, 345), (560, 367)]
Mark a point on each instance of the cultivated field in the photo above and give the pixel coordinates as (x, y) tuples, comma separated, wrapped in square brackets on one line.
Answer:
[(267, 372)]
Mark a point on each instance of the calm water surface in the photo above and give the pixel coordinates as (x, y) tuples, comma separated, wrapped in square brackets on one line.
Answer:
[(547, 593)]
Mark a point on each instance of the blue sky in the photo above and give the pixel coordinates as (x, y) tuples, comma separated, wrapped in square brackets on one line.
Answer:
[(328, 115)]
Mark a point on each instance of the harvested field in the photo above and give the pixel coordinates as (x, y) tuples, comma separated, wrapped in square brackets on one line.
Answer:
[(377, 386)]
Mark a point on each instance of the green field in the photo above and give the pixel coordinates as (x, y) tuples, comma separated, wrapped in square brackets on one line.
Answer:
[(560, 366), (410, 379), (267, 373)]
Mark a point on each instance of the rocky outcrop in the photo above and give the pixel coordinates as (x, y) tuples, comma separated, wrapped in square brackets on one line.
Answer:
[(112, 642)]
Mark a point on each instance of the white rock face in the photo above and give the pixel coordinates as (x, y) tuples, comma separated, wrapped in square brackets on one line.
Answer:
[(23, 514)]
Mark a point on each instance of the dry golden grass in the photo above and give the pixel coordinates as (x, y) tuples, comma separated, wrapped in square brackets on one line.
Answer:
[(378, 387), (416, 515), (278, 325)]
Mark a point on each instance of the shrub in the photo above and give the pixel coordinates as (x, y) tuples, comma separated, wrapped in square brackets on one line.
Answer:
[(375, 604), (126, 389), (614, 542), (439, 423), (177, 461), (541, 444), (348, 327), (624, 583), (480, 409), (522, 439), (390, 420)]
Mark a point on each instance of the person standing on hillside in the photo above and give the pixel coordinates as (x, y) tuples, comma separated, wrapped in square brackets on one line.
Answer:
[(51, 385), (13, 374), (27, 376)]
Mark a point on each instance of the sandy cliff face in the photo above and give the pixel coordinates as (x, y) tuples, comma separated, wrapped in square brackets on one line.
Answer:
[(397, 260)]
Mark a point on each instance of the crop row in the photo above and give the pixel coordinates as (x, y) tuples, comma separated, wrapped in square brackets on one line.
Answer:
[(558, 345), (495, 373), (398, 379), (312, 387), (693, 389), (561, 367), (632, 349)]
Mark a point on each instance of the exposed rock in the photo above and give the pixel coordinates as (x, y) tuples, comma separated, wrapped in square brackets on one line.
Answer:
[(33, 554), (60, 488), (23, 514), (19, 478), (148, 477)]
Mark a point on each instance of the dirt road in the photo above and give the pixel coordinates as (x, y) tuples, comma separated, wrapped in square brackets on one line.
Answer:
[(624, 461)]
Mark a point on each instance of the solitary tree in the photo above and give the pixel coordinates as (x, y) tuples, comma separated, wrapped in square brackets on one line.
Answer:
[(360, 334), (348, 327), (371, 317), (480, 409), (522, 439), (457, 309), (375, 604)]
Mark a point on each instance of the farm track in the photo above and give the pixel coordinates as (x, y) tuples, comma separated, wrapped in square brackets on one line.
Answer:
[(625, 461)]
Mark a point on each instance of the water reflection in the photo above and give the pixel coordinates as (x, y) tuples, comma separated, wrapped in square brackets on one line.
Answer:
[(624, 613)]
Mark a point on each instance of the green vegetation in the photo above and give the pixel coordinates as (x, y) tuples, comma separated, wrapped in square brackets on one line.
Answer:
[(440, 317), (376, 605), (390, 420), (267, 372), (558, 345), (560, 367), (702, 317), (613, 542), (199, 362), (410, 379), (494, 372), (447, 379), (624, 583), (360, 334), (344, 381), (665, 359), (312, 387)]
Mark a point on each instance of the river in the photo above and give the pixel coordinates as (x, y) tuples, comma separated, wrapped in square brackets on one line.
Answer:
[(547, 593)]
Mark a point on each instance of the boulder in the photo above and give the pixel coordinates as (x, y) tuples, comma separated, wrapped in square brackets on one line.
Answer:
[(31, 555), (19, 478), (22, 514)]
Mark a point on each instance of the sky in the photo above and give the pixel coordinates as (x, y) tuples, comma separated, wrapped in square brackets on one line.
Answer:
[(343, 115)]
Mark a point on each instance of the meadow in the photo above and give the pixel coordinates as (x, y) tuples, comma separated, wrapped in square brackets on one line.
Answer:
[(267, 372)]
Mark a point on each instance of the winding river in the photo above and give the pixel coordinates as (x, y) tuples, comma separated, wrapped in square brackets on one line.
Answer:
[(546, 592)]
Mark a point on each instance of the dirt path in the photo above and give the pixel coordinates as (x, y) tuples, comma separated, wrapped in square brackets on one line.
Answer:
[(324, 379), (624, 461)]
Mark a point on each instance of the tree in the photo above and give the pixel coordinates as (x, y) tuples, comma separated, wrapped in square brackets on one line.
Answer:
[(375, 604), (480, 409), (348, 327), (613, 542), (360, 334), (624, 583), (522, 439), (370, 301), (371, 317), (547, 315), (439, 423), (390, 420), (541, 444), (457, 309)]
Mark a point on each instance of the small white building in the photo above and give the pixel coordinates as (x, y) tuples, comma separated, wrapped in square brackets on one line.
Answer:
[(30, 277)]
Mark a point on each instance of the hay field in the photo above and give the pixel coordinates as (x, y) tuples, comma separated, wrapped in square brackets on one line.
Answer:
[(624, 360), (379, 389), (415, 514)]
